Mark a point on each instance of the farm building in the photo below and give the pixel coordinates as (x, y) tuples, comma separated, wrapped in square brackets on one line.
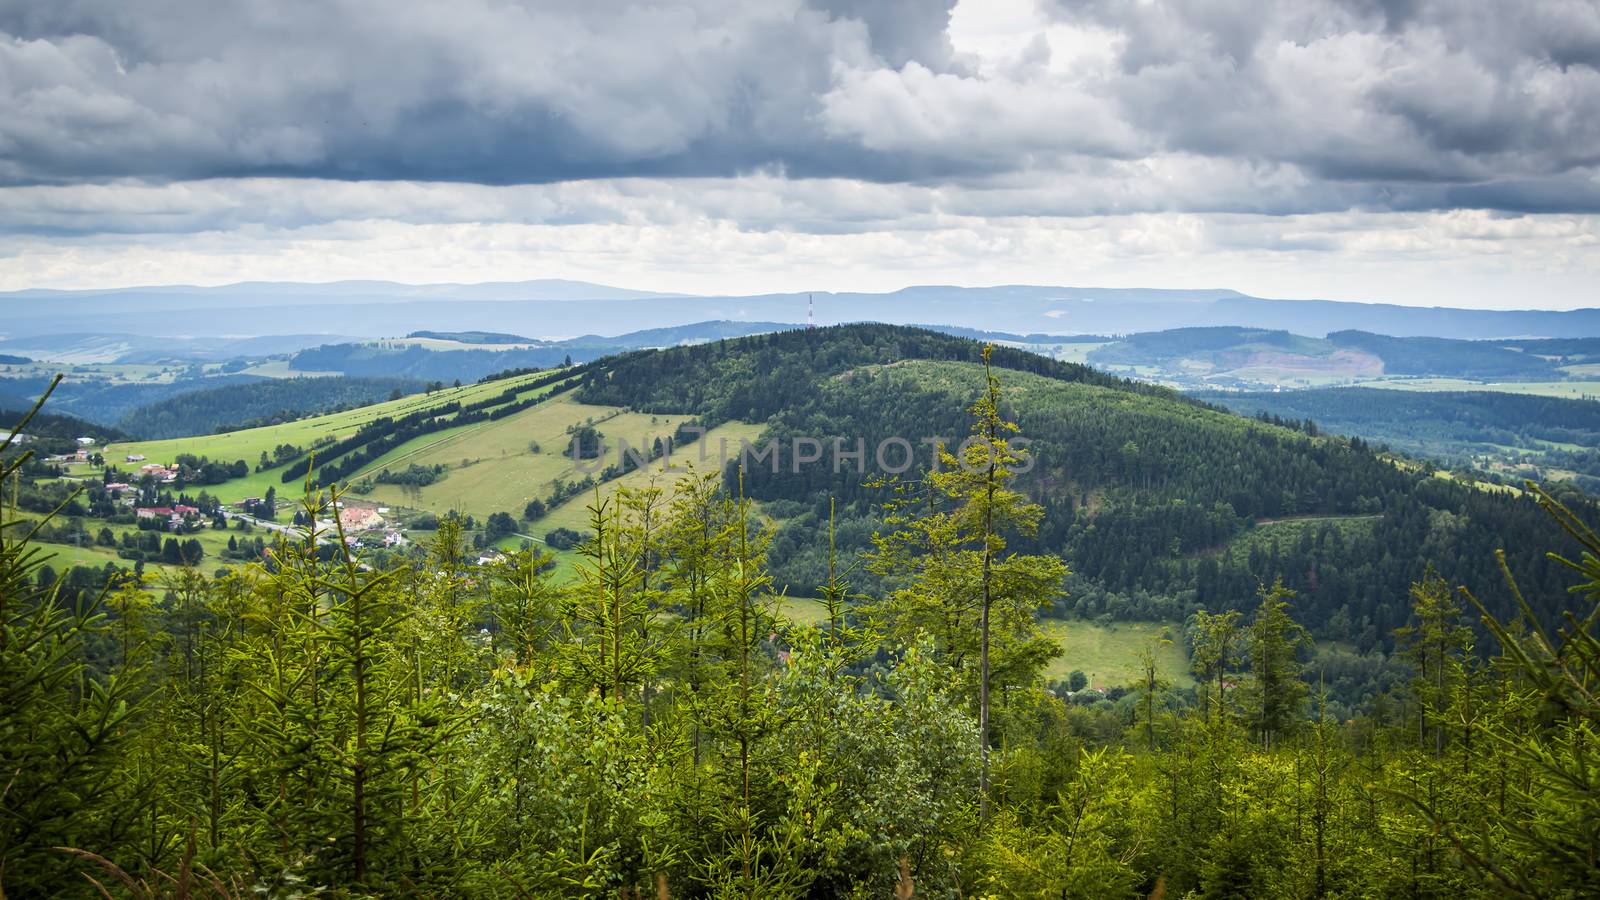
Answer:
[(358, 519)]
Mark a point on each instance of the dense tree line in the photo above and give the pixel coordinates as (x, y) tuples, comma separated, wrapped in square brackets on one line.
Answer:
[(319, 724), (413, 475)]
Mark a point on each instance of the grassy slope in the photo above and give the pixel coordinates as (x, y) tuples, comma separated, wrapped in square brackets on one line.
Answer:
[(574, 513), (491, 465), (248, 444), (1572, 390)]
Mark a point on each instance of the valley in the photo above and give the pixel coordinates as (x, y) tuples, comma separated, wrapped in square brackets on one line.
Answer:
[(1128, 473), (1156, 516), (800, 449)]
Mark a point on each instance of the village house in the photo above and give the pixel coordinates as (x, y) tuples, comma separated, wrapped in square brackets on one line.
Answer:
[(85, 442), (355, 518), (159, 472), (175, 515)]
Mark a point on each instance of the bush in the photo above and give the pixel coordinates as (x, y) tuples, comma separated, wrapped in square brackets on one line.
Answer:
[(562, 539)]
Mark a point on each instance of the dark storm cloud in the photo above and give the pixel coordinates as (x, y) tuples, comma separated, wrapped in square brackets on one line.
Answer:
[(472, 91), (1376, 103), (1368, 90)]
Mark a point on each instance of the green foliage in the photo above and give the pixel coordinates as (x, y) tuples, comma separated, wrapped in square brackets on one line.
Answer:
[(1274, 694), (325, 723)]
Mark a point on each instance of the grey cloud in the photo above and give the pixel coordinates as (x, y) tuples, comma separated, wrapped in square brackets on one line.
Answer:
[(1446, 90), (473, 91), (902, 31), (1373, 104)]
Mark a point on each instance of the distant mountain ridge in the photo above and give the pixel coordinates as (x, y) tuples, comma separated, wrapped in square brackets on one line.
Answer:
[(1223, 352), (552, 308)]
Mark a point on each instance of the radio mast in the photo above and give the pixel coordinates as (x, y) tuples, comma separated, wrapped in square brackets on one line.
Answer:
[(811, 313)]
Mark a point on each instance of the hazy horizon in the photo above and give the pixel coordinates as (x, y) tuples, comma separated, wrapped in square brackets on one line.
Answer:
[(1426, 153), (647, 289)]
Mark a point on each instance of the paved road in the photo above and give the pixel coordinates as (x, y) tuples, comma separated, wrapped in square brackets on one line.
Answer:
[(291, 530)]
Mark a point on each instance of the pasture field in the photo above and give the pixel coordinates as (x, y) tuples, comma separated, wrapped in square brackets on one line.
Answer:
[(803, 610), (97, 373), (64, 556), (213, 541), (574, 514), (250, 443), (279, 368), (1109, 654), (1072, 353), (492, 466), (1570, 390)]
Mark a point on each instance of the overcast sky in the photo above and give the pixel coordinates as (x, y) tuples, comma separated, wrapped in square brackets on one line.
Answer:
[(1413, 151)]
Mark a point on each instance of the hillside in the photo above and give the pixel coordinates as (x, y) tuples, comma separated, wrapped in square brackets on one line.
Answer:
[(1143, 489), (1141, 486), (255, 403)]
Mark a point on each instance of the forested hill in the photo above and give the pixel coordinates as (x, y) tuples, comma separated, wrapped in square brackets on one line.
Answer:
[(754, 377), (255, 403), (1161, 505), (56, 432)]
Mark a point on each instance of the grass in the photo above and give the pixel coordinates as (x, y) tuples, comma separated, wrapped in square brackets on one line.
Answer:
[(492, 467), (804, 610), (248, 444), (279, 368), (62, 556), (99, 373), (1109, 654), (574, 514), (1072, 353), (212, 541), (1571, 390)]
